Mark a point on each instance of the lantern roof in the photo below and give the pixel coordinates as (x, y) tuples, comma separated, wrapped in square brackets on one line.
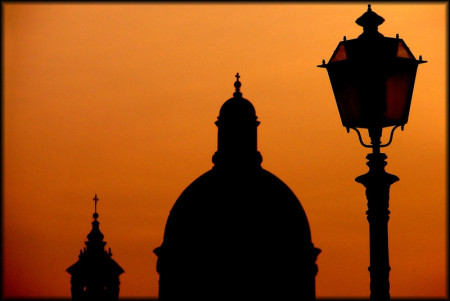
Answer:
[(370, 21), (371, 46), (384, 49)]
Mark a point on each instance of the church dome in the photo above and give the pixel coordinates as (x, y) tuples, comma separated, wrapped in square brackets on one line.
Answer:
[(237, 231), (242, 235), (218, 201), (240, 210)]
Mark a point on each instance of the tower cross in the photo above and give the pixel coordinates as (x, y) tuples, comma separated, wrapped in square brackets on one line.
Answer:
[(95, 200), (237, 76)]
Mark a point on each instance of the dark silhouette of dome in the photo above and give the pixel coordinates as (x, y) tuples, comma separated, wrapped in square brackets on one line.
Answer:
[(237, 231)]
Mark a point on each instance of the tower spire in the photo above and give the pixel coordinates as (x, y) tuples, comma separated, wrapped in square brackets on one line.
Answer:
[(94, 260)]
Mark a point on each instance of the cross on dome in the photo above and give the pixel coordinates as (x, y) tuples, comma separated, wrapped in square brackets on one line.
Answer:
[(237, 85)]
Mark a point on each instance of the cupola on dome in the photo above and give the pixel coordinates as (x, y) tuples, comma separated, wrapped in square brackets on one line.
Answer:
[(237, 108)]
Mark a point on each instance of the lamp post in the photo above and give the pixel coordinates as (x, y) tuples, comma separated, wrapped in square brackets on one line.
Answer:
[(372, 78)]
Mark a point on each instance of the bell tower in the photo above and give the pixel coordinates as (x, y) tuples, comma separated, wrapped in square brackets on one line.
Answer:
[(95, 276)]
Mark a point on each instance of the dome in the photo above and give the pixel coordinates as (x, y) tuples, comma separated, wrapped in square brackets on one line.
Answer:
[(237, 232), (217, 202), (241, 235)]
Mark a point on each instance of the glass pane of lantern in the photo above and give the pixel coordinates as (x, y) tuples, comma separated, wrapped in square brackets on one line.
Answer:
[(397, 91), (344, 80), (403, 51), (340, 54), (349, 106), (399, 86)]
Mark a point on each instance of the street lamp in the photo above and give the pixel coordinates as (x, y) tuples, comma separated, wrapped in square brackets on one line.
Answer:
[(373, 79)]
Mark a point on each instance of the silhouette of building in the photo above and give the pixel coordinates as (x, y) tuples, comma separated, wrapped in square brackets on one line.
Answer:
[(237, 232), (95, 276)]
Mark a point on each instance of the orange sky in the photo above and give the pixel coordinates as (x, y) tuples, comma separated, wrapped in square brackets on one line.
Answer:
[(120, 100)]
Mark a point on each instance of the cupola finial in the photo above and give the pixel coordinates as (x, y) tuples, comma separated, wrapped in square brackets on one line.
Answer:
[(237, 85), (95, 199)]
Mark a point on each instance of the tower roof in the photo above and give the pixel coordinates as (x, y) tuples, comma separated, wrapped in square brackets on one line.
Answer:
[(94, 255), (95, 237)]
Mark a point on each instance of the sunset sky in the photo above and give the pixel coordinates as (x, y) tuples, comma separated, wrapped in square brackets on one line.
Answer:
[(120, 100)]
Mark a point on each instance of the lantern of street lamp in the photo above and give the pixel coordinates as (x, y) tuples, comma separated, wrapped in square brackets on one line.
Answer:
[(372, 78)]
